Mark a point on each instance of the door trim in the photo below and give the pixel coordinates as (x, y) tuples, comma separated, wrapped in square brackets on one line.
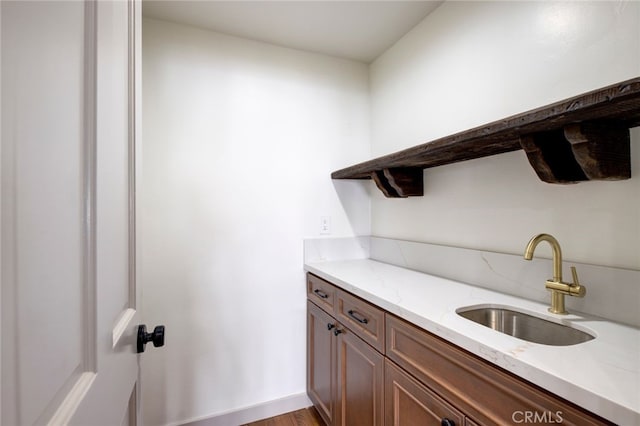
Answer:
[(76, 391), (69, 405), (122, 325), (90, 161), (132, 135)]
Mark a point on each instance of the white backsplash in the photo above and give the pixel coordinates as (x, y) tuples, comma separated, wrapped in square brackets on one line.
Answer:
[(328, 249), (612, 293)]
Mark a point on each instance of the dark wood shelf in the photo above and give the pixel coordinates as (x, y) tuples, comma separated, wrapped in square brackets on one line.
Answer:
[(581, 138)]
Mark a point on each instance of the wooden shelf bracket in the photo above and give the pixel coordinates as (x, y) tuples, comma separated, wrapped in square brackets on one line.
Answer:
[(580, 152), (399, 182), (603, 149)]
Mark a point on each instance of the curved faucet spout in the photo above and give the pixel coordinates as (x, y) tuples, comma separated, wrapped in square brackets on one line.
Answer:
[(557, 253)]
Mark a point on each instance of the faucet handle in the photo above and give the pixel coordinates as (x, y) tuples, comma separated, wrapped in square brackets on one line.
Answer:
[(576, 289), (575, 275)]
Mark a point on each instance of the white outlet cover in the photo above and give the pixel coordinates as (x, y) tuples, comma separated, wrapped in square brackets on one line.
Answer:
[(325, 225)]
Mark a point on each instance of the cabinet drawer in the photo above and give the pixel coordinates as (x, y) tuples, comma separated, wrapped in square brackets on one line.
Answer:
[(410, 402), (321, 293), (485, 393), (363, 318)]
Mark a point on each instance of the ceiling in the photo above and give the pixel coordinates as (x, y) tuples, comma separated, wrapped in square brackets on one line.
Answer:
[(359, 30)]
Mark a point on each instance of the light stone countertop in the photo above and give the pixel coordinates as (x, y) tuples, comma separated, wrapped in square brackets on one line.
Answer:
[(602, 375)]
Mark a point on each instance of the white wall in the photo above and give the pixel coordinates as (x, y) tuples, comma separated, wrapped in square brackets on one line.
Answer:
[(239, 140), (470, 63)]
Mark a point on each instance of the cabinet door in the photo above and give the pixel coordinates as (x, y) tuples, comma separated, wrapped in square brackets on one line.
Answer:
[(321, 361), (409, 403), (360, 393)]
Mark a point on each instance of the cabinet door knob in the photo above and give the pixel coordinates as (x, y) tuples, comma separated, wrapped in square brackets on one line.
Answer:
[(447, 422), (330, 326), (337, 331)]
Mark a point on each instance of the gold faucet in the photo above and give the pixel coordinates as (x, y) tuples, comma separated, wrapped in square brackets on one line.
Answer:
[(558, 288)]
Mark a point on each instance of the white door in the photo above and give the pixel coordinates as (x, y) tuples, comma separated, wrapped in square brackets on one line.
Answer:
[(68, 301)]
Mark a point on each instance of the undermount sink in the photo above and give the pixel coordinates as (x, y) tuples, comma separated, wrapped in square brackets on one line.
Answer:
[(524, 326)]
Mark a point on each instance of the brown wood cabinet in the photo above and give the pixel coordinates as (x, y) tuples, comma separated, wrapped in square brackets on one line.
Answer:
[(415, 377), (485, 393), (345, 375)]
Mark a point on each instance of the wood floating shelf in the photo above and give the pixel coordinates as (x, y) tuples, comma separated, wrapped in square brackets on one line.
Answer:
[(578, 139)]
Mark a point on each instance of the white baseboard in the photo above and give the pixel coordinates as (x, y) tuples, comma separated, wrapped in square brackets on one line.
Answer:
[(255, 412)]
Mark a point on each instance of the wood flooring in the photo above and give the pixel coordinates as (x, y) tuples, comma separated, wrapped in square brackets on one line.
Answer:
[(305, 417)]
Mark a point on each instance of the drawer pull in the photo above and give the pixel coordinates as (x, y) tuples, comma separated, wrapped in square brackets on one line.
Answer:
[(447, 422), (337, 331), (356, 316), (330, 326), (321, 293)]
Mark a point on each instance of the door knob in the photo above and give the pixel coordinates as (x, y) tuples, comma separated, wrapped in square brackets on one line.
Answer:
[(157, 337)]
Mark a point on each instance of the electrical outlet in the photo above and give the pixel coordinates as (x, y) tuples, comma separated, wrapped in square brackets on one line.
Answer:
[(325, 225)]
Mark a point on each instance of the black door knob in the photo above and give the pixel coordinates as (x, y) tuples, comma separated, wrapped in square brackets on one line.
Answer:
[(157, 337), (447, 422)]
